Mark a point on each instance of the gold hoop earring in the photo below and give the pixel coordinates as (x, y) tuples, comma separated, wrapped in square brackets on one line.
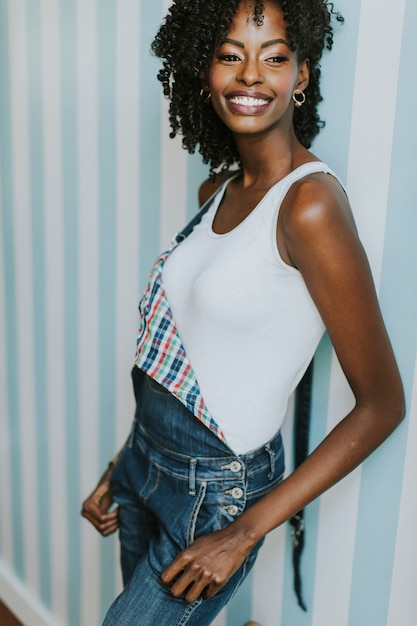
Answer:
[(205, 95), (299, 97)]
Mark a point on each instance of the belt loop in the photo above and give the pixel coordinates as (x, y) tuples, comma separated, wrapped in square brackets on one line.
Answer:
[(271, 455), (191, 477)]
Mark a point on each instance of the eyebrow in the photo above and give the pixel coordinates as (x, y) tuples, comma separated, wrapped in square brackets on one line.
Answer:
[(266, 44)]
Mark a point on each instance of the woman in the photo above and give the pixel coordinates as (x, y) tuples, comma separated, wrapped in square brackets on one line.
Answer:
[(273, 262)]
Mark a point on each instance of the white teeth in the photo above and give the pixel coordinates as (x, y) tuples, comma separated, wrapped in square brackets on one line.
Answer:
[(247, 101)]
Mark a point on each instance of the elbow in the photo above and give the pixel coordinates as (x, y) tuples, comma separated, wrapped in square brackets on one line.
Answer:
[(400, 411), (387, 408), (392, 399), (399, 408), (395, 409)]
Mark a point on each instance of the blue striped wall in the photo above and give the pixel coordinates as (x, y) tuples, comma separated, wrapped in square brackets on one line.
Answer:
[(91, 189)]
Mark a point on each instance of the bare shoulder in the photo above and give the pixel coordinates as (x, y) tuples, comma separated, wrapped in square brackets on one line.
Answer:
[(314, 209), (208, 188), (313, 200)]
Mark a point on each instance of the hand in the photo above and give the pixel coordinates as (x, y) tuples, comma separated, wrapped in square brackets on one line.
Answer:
[(207, 565), (95, 508)]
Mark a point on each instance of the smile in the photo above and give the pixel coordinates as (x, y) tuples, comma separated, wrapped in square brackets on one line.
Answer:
[(248, 101)]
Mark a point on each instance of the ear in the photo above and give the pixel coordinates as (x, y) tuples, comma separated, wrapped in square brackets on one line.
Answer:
[(303, 74)]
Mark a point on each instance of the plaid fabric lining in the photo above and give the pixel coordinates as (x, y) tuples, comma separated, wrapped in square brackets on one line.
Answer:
[(160, 352)]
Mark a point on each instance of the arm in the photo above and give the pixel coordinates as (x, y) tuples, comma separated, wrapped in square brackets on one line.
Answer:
[(317, 235), (96, 507)]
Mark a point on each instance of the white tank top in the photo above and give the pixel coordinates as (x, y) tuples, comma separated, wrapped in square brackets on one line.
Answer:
[(245, 317)]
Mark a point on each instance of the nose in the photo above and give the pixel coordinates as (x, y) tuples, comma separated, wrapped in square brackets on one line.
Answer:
[(250, 73)]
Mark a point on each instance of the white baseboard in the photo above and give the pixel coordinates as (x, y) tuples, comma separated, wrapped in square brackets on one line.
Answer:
[(22, 601)]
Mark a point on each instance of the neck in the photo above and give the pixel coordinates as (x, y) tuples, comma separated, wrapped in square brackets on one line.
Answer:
[(265, 160)]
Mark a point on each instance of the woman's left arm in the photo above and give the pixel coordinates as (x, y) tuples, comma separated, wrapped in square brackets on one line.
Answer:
[(319, 238)]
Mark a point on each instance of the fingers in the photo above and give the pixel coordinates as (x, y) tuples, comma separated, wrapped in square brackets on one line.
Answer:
[(192, 579), (95, 510), (105, 523), (191, 587), (206, 566)]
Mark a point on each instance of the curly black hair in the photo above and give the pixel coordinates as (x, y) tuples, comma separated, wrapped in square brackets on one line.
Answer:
[(186, 41)]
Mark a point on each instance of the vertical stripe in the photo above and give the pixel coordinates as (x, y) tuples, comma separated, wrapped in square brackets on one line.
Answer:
[(107, 223), (403, 599), (268, 579), (369, 185), (127, 252), (239, 609), (88, 220), (337, 80), (24, 295), (38, 264), (197, 173), (173, 183), (71, 303), (150, 141), (173, 172), (107, 255), (6, 524), (383, 473), (127, 170), (54, 293), (13, 401)]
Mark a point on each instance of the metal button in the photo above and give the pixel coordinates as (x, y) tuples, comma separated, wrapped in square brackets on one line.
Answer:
[(232, 510), (235, 466), (237, 492)]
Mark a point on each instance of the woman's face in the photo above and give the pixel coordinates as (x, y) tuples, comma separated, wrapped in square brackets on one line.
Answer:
[(253, 73)]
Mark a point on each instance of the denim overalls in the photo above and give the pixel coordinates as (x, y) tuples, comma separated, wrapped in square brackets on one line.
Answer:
[(176, 479)]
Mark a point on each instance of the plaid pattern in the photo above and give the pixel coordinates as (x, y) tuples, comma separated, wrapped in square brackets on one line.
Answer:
[(160, 352)]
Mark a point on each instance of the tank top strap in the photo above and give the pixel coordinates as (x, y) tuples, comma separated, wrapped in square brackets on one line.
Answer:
[(300, 172), (280, 189)]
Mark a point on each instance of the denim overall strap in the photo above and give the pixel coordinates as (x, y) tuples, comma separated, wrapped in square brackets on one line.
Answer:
[(183, 234), (301, 436)]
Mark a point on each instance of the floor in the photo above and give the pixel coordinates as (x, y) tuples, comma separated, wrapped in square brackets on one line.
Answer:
[(7, 618)]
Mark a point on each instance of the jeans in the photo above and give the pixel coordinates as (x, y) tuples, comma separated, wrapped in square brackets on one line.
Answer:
[(175, 481)]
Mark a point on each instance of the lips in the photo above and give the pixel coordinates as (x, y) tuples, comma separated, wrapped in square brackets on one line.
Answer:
[(247, 103)]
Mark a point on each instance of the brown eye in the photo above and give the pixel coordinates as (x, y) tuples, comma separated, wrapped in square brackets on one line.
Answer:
[(277, 59), (229, 58)]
